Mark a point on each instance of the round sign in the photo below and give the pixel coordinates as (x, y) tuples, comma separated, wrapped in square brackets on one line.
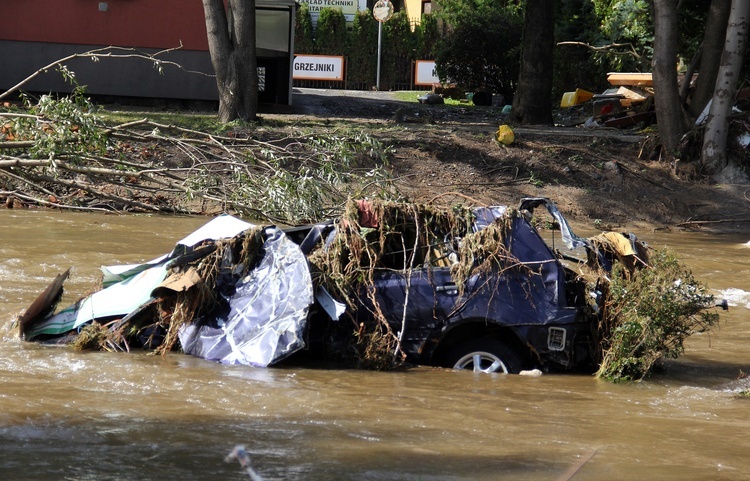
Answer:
[(382, 11)]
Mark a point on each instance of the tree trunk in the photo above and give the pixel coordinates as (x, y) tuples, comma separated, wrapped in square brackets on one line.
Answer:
[(713, 45), (532, 103), (666, 90), (713, 155), (231, 43)]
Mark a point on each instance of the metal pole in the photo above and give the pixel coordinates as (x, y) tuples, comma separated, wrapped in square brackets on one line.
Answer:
[(380, 36)]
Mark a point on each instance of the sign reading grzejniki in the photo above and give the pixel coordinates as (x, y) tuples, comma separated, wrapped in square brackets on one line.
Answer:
[(318, 67)]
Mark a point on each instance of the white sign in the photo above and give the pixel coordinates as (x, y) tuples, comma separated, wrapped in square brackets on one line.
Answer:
[(348, 7), (318, 67), (425, 73)]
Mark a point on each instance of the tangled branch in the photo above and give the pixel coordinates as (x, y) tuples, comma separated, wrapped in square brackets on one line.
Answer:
[(60, 153)]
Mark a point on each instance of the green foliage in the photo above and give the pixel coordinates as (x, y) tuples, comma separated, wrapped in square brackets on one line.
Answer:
[(428, 36), (303, 30), (398, 48), (363, 49), (479, 43), (65, 126), (649, 315), (482, 49), (335, 168), (626, 22), (627, 19), (331, 36)]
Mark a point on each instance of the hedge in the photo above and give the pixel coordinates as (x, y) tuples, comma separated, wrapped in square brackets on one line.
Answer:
[(358, 43)]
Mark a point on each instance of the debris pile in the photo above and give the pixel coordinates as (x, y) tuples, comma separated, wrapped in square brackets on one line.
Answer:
[(60, 153), (629, 102), (242, 294), (651, 307), (402, 237)]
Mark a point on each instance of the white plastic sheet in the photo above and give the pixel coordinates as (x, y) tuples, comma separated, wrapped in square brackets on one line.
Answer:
[(268, 311)]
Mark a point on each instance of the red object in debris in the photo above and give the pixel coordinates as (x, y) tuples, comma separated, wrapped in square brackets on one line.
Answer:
[(607, 109), (367, 217)]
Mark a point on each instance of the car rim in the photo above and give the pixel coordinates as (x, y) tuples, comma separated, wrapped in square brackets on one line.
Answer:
[(481, 362)]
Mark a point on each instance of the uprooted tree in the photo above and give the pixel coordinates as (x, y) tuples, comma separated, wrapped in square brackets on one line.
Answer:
[(60, 153)]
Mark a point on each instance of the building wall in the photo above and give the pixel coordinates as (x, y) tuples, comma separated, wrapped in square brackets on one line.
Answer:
[(127, 23), (414, 10), (117, 77), (41, 32)]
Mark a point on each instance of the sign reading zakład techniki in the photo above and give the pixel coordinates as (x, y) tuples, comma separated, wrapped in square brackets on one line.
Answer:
[(318, 67), (425, 73), (348, 7)]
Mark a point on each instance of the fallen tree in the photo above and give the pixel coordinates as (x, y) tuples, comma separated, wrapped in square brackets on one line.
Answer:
[(60, 153)]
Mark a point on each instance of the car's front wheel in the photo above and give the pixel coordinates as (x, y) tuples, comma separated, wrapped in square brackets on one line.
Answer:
[(485, 355)]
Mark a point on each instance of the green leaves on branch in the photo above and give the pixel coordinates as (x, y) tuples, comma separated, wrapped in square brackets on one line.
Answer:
[(649, 315), (60, 149), (310, 180), (60, 127), (482, 49), (627, 28)]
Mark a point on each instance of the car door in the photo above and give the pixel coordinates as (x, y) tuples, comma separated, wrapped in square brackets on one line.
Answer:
[(415, 302)]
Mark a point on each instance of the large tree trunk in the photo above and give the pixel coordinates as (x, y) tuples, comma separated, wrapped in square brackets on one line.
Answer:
[(713, 155), (231, 43), (713, 45), (532, 103), (666, 90)]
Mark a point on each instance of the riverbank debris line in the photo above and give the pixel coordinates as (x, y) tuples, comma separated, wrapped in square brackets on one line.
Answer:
[(234, 292)]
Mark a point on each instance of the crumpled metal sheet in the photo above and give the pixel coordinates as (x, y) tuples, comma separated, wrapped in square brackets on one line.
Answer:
[(116, 300), (268, 311), (571, 240)]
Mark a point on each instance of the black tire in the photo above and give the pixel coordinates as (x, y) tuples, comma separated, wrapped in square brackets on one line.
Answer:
[(485, 355)]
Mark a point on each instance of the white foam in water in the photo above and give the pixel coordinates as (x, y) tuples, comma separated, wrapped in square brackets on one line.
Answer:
[(735, 297)]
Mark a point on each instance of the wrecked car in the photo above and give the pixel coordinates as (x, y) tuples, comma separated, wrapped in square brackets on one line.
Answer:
[(486, 295), (385, 284)]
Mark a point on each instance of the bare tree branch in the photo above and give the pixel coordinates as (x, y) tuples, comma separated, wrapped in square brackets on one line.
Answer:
[(609, 49), (106, 52)]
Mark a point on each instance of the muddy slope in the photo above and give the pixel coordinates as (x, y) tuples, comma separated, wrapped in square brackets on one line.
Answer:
[(600, 176)]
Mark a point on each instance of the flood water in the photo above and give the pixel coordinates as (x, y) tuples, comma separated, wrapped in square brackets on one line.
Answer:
[(68, 415)]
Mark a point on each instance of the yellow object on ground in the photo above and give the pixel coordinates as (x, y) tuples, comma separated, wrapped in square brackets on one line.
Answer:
[(505, 135), (578, 97)]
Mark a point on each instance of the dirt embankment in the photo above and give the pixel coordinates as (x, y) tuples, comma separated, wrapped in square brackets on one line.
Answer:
[(593, 175)]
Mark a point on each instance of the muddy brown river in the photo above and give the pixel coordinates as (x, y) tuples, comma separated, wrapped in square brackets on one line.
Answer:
[(68, 415)]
